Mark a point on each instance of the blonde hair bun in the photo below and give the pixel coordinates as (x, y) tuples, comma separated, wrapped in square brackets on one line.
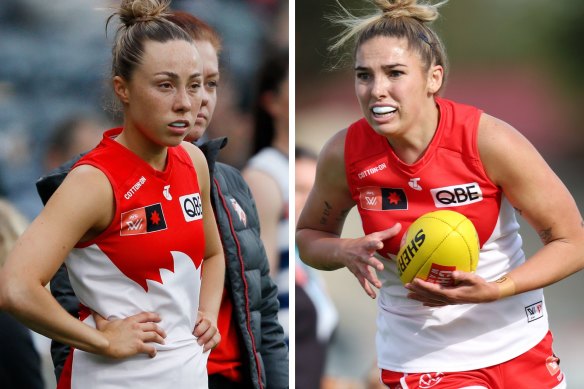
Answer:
[(402, 19), (424, 13), (136, 11)]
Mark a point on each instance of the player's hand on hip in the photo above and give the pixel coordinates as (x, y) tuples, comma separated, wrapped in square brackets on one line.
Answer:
[(468, 288), (206, 332), (132, 335), (360, 260)]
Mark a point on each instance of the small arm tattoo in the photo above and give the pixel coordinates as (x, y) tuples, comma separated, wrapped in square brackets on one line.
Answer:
[(546, 235), (501, 280)]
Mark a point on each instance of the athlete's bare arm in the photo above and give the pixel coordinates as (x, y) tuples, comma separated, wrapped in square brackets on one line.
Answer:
[(213, 277), (81, 208), (530, 185), (322, 219), (540, 197)]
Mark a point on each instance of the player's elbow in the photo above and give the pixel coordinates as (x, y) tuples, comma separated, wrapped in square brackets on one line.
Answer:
[(301, 242), (5, 292), (580, 251), (574, 254), (312, 253), (11, 293), (576, 239)]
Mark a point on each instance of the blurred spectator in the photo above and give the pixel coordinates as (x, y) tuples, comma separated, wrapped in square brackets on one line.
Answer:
[(249, 28), (231, 122), (316, 316), (54, 61), (246, 27), (72, 136), (3, 191), (267, 171), (20, 364)]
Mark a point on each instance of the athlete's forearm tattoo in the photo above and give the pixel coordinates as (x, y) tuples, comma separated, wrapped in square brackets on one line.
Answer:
[(326, 213), (501, 280), (546, 235)]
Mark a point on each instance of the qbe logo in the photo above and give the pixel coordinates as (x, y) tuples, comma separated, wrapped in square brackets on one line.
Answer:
[(191, 206), (457, 195)]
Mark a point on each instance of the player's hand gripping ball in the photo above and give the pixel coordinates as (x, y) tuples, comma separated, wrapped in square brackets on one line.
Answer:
[(435, 245)]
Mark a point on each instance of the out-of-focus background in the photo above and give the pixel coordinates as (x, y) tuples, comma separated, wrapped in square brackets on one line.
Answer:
[(520, 61), (55, 74), (56, 66)]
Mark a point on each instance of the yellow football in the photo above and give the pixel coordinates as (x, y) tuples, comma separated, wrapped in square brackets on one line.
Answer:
[(436, 244)]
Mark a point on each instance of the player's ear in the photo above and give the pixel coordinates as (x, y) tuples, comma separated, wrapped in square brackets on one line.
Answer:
[(121, 89), (435, 79)]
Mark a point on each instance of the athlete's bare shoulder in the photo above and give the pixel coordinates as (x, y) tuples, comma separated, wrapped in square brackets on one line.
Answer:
[(199, 161), (331, 176), (196, 154), (191, 148), (492, 127), (87, 178), (85, 197), (334, 148), (502, 148), (331, 158)]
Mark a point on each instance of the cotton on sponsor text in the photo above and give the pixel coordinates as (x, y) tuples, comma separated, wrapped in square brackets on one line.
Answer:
[(135, 188), (372, 170)]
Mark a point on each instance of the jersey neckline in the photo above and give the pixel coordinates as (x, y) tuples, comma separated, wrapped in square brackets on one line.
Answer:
[(432, 146), (109, 138)]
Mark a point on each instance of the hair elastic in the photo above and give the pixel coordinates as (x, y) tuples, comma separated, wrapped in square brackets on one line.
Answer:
[(423, 37)]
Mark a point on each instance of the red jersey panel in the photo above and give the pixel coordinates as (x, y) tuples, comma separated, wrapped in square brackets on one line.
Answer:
[(449, 175), (148, 259)]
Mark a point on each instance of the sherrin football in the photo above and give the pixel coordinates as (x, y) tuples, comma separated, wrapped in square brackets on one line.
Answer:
[(436, 244)]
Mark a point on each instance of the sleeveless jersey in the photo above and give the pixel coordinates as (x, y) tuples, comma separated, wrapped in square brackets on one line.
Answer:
[(149, 259), (450, 175), (275, 164)]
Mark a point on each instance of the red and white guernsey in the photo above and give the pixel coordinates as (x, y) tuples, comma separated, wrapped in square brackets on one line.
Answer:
[(148, 259), (450, 175)]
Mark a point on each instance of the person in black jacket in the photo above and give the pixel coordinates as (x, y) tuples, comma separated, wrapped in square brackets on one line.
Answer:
[(252, 353)]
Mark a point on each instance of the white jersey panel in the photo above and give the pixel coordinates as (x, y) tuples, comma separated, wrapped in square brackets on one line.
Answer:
[(461, 337), (103, 288)]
